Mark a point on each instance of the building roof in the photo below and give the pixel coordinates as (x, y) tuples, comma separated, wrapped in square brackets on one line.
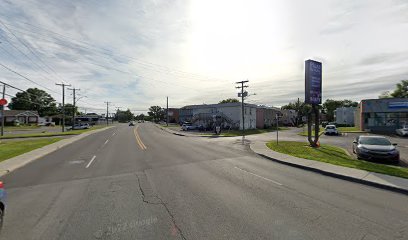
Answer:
[(218, 105), (15, 113)]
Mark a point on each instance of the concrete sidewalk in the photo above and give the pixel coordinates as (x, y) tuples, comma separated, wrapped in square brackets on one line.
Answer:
[(361, 176), (14, 163)]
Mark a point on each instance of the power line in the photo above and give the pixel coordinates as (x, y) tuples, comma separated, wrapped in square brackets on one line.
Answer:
[(31, 50), (157, 67), (26, 78), (29, 58)]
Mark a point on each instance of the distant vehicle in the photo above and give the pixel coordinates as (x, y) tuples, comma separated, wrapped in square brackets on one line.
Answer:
[(79, 126), (139, 121), (403, 132), (131, 123), (332, 123), (47, 124), (187, 127), (375, 148), (2, 203), (331, 130)]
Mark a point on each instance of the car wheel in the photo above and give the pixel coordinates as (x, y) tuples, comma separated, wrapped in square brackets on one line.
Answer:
[(1, 218)]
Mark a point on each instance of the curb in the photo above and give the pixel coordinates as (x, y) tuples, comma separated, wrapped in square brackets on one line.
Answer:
[(340, 176), (19, 161), (336, 175)]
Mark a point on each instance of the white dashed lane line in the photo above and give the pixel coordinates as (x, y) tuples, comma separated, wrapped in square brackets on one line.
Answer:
[(90, 162)]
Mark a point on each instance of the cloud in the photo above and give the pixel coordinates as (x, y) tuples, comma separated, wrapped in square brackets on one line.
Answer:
[(135, 53)]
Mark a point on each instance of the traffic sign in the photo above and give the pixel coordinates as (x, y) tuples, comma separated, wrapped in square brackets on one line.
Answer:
[(3, 102)]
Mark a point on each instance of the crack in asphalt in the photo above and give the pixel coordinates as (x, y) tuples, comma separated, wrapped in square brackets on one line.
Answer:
[(161, 202)]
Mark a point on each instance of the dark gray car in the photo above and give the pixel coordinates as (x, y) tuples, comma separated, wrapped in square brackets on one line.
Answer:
[(375, 148)]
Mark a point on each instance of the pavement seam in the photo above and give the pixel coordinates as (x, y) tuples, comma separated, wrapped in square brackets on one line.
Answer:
[(161, 202)]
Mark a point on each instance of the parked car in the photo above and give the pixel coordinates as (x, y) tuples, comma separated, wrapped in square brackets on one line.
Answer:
[(375, 148), (187, 127), (79, 126), (2, 203), (131, 123), (331, 130), (403, 132)]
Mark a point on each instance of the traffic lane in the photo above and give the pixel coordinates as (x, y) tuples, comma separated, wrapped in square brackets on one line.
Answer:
[(164, 149), (111, 207), (64, 164), (251, 198), (333, 192), (122, 154)]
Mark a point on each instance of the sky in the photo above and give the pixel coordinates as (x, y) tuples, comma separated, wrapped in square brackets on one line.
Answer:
[(135, 53)]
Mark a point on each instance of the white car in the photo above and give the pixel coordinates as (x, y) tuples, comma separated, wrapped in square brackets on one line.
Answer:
[(331, 130), (188, 126), (402, 131)]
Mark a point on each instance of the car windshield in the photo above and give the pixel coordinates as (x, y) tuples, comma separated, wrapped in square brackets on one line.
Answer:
[(374, 141), (330, 127)]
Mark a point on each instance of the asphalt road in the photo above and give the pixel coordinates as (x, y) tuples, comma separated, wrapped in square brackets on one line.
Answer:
[(144, 183)]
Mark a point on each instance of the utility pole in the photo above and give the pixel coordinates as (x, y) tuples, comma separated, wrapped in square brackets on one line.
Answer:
[(73, 103), (243, 95), (63, 103), (107, 113), (2, 110), (167, 112)]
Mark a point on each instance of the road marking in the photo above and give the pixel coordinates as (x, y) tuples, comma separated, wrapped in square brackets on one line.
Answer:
[(90, 162), (264, 178), (139, 140), (113, 134), (107, 140)]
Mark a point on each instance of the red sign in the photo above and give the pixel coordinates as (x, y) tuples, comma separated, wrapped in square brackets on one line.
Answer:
[(3, 102)]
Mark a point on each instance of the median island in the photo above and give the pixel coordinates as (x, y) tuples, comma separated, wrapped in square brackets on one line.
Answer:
[(334, 155)]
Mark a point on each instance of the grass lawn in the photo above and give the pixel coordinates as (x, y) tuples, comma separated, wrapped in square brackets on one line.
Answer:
[(349, 129), (15, 148), (334, 155), (20, 128), (50, 134), (234, 133), (321, 131)]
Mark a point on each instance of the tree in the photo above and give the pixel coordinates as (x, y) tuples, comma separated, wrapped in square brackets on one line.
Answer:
[(385, 94), (401, 90), (34, 99), (140, 117), (229, 100), (124, 116), (157, 113), (68, 109), (301, 107)]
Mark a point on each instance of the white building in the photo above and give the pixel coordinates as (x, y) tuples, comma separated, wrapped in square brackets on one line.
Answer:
[(344, 115), (230, 113)]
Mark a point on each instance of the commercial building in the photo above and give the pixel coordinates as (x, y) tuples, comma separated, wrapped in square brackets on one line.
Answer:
[(344, 115), (229, 114), (266, 116), (382, 115)]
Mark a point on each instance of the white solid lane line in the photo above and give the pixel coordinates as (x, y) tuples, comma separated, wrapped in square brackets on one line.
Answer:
[(256, 175), (107, 140), (90, 162)]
